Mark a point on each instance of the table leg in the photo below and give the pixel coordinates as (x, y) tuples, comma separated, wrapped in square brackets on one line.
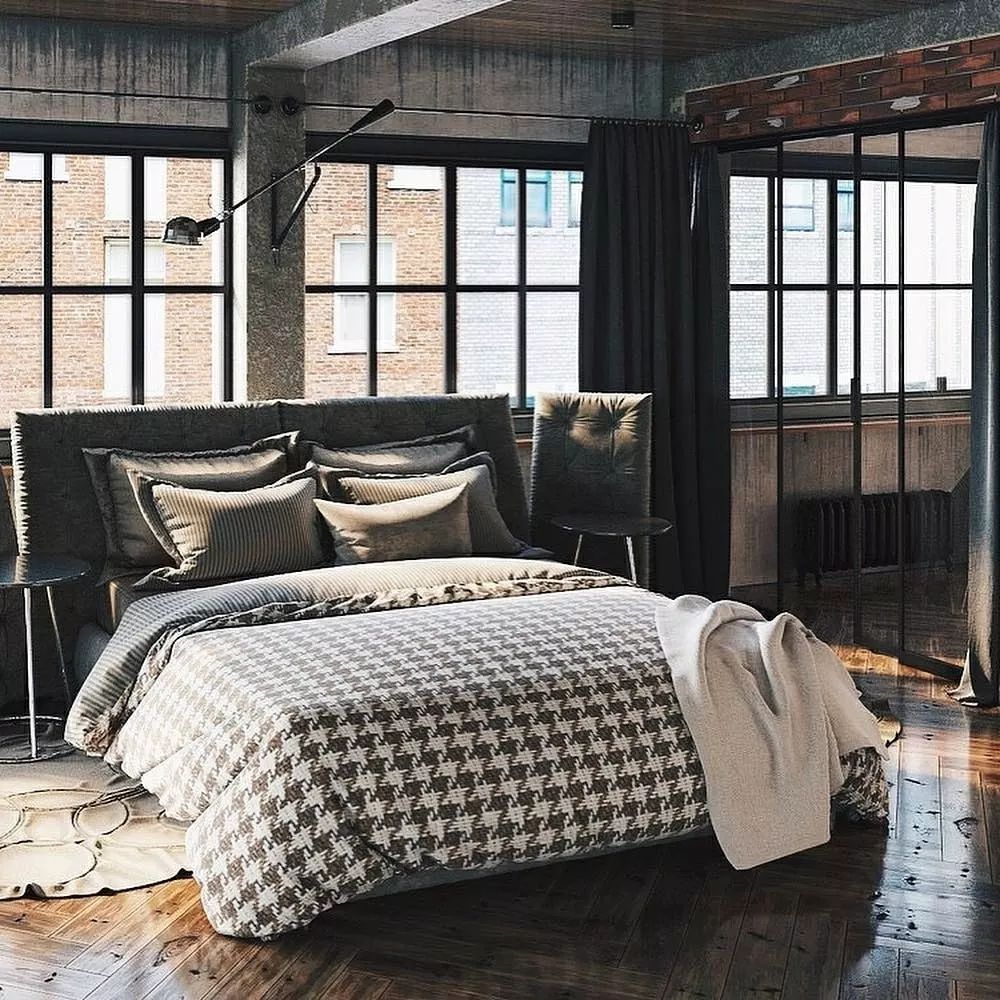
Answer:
[(579, 545), (630, 550), (67, 687), (29, 648)]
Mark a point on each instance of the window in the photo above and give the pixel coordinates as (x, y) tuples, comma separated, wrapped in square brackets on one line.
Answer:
[(80, 308), (350, 324), (845, 206), (810, 289), (460, 304), (410, 178), (28, 167), (799, 209), (575, 197), (538, 193)]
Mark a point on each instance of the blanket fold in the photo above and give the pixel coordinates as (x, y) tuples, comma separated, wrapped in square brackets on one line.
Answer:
[(772, 711)]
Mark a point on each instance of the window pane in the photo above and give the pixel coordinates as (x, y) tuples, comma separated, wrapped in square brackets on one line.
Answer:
[(412, 361), (748, 230), (879, 232), (805, 235), (329, 372), (805, 355), (183, 348), (938, 335), (412, 220), (91, 349), (554, 252), (351, 261), (538, 191), (337, 211), (118, 188), (487, 250), (879, 341), (938, 222), (21, 222), (487, 342), (845, 231), (80, 220), (20, 339), (553, 343), (748, 344), (184, 186), (845, 341)]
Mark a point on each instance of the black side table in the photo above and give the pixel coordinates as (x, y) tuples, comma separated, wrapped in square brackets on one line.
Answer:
[(613, 526), (27, 574)]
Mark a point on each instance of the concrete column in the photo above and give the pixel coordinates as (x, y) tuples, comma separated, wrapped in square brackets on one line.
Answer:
[(269, 300)]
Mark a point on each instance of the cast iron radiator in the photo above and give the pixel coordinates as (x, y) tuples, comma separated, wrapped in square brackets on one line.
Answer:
[(825, 531)]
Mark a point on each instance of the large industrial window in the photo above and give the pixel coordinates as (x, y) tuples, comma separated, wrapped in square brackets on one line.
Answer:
[(442, 278), (95, 308)]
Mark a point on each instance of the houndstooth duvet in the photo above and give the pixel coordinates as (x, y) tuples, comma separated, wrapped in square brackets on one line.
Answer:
[(325, 746)]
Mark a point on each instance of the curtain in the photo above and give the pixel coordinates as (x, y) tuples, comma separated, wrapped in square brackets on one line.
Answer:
[(654, 318), (981, 680)]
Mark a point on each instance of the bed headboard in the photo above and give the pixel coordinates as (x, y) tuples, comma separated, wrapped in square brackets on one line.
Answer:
[(54, 502)]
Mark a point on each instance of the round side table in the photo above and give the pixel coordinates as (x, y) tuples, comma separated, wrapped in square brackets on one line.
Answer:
[(28, 574), (613, 526)]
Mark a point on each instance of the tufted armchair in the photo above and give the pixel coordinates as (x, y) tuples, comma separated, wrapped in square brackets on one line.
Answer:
[(591, 454)]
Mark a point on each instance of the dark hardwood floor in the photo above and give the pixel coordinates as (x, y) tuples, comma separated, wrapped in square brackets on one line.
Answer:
[(914, 915)]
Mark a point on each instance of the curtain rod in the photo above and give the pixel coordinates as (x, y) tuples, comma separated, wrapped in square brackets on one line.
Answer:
[(695, 124), (290, 105)]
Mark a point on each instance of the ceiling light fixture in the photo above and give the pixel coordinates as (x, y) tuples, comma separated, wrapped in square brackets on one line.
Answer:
[(188, 232)]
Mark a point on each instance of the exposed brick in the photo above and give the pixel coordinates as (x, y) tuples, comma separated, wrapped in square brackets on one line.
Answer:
[(785, 108), (910, 89), (925, 71), (979, 95), (799, 123), (862, 65), (950, 84), (935, 52), (989, 78), (982, 60), (800, 91), (879, 77), (907, 58), (968, 98), (851, 98), (822, 103), (734, 130), (825, 73), (990, 44), (840, 116)]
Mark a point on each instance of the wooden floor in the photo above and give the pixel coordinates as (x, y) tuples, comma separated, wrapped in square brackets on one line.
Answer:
[(914, 915)]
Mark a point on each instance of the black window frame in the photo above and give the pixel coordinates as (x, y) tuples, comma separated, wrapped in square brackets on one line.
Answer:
[(452, 155), (135, 142), (769, 159)]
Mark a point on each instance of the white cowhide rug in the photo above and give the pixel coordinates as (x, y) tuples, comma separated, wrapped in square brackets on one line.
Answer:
[(72, 826)]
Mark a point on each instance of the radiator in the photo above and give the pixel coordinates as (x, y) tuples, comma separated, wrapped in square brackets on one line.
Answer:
[(825, 531)]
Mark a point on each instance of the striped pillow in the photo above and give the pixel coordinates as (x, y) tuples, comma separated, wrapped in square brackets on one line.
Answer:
[(419, 527), (490, 535), (213, 535)]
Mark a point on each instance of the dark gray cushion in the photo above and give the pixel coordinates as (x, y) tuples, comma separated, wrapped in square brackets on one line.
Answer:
[(487, 529), (213, 535), (130, 542), (419, 527)]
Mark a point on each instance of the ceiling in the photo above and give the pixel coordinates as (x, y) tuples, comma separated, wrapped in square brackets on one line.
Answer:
[(671, 29), (222, 15)]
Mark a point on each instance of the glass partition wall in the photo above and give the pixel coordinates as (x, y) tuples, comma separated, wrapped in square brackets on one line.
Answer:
[(851, 295)]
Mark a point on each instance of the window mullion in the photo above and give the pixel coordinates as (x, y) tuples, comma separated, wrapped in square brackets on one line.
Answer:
[(138, 282), (451, 279), (47, 300), (372, 279), (522, 290)]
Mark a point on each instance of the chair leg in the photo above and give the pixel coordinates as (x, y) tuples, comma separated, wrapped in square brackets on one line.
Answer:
[(579, 545), (630, 550)]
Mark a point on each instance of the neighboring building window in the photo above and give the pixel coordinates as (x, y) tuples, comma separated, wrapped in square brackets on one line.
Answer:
[(155, 188), (799, 206), (575, 197), (845, 206), (350, 322), (118, 188), (28, 167), (410, 178), (538, 192)]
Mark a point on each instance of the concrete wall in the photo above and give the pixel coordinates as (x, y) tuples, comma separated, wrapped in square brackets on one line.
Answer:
[(108, 57)]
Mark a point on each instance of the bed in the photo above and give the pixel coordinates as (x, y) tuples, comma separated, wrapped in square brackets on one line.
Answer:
[(352, 730)]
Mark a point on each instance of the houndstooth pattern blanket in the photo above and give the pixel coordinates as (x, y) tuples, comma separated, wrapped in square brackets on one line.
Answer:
[(325, 748)]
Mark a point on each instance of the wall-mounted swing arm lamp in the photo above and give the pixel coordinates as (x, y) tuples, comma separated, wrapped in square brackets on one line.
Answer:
[(185, 231)]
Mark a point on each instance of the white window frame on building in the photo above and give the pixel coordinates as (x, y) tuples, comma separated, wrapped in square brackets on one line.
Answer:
[(28, 167), (350, 309)]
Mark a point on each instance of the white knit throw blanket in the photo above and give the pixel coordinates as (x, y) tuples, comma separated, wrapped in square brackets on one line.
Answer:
[(771, 710)]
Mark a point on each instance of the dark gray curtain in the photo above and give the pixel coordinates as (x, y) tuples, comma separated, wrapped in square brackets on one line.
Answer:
[(654, 318), (982, 674)]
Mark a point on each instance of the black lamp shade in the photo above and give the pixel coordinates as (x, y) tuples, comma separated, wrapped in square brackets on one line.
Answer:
[(187, 232)]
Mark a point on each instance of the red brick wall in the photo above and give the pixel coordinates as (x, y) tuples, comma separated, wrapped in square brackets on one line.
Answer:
[(887, 87)]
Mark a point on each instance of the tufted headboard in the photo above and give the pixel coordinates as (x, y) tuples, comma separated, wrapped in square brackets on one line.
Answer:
[(56, 511)]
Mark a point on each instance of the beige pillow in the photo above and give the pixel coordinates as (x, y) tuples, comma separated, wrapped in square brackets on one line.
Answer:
[(490, 534), (420, 527)]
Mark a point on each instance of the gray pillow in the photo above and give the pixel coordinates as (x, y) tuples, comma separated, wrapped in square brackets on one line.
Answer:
[(488, 531), (419, 527), (130, 543), (329, 479), (431, 453), (213, 535)]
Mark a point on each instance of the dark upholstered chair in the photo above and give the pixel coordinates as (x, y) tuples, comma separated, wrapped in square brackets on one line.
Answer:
[(590, 455)]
